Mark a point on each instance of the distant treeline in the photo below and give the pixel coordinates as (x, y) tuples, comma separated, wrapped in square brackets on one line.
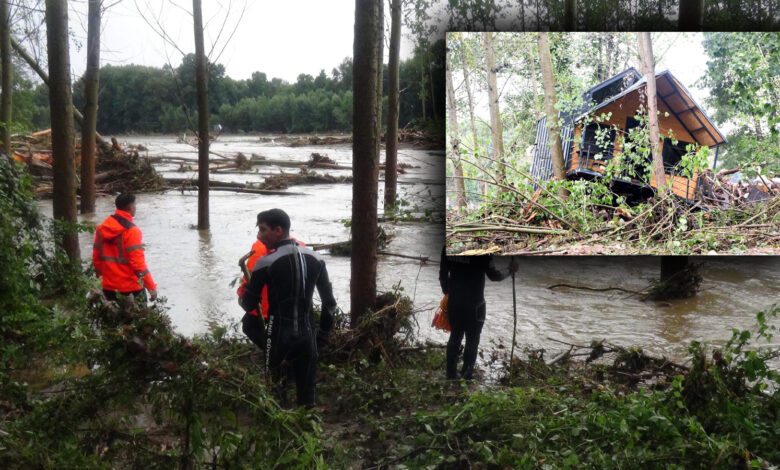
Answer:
[(141, 99)]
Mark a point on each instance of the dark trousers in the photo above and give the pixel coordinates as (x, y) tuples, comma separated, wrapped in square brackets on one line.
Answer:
[(466, 321), (139, 295), (299, 351)]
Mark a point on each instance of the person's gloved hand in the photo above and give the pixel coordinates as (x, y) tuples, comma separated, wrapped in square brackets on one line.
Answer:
[(322, 341), (153, 295)]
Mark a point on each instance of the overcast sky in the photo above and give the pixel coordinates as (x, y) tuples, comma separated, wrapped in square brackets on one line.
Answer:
[(280, 38)]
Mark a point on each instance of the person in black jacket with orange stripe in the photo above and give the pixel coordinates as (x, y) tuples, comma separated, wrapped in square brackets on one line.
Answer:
[(291, 273), (463, 279)]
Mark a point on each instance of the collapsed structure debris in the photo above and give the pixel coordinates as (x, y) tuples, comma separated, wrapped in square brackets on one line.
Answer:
[(117, 168), (718, 190)]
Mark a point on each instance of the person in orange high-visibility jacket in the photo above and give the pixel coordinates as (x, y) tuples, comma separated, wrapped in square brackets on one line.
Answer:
[(250, 323), (118, 254)]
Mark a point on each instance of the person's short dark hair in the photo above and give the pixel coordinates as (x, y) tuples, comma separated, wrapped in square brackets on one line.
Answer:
[(274, 218), (124, 200)]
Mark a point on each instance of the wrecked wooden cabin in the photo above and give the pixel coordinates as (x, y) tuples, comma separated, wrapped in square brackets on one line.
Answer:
[(585, 156)]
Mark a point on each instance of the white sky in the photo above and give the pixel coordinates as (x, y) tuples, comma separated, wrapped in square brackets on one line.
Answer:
[(280, 38)]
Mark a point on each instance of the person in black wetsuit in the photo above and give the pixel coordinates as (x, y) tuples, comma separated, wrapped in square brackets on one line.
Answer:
[(463, 279), (291, 273)]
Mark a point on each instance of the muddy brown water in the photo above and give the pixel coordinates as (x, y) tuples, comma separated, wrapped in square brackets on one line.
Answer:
[(195, 269)]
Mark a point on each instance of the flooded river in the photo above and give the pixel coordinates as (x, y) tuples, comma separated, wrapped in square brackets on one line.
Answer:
[(195, 269)]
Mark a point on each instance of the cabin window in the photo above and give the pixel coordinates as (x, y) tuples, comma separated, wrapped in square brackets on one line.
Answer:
[(591, 145), (672, 154)]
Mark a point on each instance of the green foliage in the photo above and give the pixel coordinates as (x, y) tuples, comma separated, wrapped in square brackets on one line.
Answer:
[(719, 415), (33, 268), (743, 76), (311, 104)]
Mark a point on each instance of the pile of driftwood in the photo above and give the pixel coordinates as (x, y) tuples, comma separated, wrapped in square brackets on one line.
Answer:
[(629, 366), (409, 136), (284, 180), (421, 139), (379, 336), (718, 190), (117, 169), (302, 140)]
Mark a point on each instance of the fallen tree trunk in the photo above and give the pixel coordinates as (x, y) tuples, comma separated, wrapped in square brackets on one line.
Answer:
[(186, 183), (423, 259)]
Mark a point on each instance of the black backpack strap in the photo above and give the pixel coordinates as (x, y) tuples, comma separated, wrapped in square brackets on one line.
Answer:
[(124, 222)]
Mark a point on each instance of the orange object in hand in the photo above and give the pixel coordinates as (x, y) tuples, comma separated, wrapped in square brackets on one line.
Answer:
[(441, 320)]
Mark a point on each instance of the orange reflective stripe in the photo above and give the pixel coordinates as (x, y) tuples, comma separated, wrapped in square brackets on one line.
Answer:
[(121, 251)]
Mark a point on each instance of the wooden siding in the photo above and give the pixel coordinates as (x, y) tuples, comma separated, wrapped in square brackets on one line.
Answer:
[(681, 186)]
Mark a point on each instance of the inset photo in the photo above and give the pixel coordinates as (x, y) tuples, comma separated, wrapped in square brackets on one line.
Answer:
[(613, 143)]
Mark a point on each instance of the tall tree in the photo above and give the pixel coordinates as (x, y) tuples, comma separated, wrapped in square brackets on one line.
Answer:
[(365, 159), (61, 105), (8, 75), (473, 124), (453, 136), (570, 15), (89, 125), (391, 137), (380, 68), (496, 132), (648, 65), (691, 16), (201, 84), (556, 149)]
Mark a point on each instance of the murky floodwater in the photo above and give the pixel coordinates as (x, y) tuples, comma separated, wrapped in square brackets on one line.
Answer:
[(194, 269)]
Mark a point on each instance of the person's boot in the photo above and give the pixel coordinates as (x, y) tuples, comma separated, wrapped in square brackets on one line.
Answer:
[(452, 370), (452, 367), (467, 373)]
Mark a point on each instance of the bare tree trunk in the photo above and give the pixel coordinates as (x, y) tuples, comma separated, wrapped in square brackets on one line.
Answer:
[(8, 76), (691, 16), (537, 110), (497, 135), (570, 15), (556, 149), (365, 159), (391, 137), (453, 136), (522, 15), (646, 53), (467, 84), (757, 128), (474, 137), (201, 85), (61, 105), (423, 93), (433, 94), (380, 76), (88, 128)]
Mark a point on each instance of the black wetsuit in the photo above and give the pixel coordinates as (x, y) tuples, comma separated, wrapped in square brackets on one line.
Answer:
[(292, 273), (463, 278)]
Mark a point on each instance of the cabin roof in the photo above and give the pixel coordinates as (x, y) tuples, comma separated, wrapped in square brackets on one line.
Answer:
[(679, 101), (629, 75)]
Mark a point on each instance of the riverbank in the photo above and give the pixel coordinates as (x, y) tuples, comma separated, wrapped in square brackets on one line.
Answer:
[(120, 390)]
